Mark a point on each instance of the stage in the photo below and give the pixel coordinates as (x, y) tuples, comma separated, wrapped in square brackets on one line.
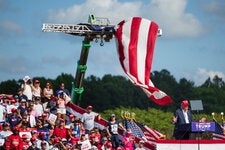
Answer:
[(190, 145)]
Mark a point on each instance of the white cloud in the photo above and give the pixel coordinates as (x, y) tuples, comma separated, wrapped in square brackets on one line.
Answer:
[(169, 14), (202, 74), (172, 18)]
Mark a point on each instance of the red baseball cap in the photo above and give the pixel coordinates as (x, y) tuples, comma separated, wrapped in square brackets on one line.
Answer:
[(89, 107), (56, 140), (36, 81), (15, 128), (24, 136), (33, 139), (185, 103), (13, 109), (44, 115), (71, 115)]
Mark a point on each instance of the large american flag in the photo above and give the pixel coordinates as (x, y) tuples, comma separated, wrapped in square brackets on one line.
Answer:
[(219, 132), (135, 44)]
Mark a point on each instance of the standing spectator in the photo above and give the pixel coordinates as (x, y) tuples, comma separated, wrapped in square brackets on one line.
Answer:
[(14, 141), (21, 95), (88, 119), (33, 145), (128, 140), (38, 107), (36, 89), (22, 107), (61, 105), (30, 118), (47, 94), (62, 87), (25, 142), (2, 113), (182, 118), (112, 129), (44, 145), (27, 87), (60, 131)]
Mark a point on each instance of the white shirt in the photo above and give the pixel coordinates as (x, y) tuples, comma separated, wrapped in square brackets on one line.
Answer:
[(32, 121), (27, 91), (185, 116), (2, 111), (88, 120), (39, 109)]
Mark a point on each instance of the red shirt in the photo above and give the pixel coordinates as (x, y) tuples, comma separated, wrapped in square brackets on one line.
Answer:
[(15, 142), (62, 133), (25, 145)]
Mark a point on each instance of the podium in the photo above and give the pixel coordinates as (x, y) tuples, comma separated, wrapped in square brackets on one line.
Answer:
[(203, 126)]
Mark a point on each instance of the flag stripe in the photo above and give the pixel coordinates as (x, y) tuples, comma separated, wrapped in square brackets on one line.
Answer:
[(132, 49), (150, 46), (142, 50)]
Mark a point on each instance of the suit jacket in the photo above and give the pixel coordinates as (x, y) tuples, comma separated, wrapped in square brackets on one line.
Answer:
[(180, 125), (180, 116)]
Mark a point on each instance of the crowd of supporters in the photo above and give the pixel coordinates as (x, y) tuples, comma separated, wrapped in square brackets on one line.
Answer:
[(36, 119)]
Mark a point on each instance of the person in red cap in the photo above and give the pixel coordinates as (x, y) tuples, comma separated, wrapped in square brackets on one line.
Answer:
[(14, 141), (182, 120), (88, 119), (60, 131), (106, 144), (33, 145), (14, 118), (25, 141), (36, 89)]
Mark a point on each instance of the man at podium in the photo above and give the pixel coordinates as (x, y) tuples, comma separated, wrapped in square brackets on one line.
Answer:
[(182, 121)]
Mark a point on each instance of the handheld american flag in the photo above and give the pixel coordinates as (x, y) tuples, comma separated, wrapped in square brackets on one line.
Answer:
[(135, 44), (219, 132)]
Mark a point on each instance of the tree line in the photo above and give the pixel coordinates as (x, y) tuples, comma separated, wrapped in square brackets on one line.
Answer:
[(111, 92)]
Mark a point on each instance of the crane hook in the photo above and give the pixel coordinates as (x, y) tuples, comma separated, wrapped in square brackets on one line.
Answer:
[(102, 42)]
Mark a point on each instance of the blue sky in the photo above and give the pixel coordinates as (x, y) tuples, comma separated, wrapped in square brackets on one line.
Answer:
[(192, 45)]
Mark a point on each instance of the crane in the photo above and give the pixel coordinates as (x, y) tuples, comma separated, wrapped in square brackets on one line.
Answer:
[(96, 28)]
